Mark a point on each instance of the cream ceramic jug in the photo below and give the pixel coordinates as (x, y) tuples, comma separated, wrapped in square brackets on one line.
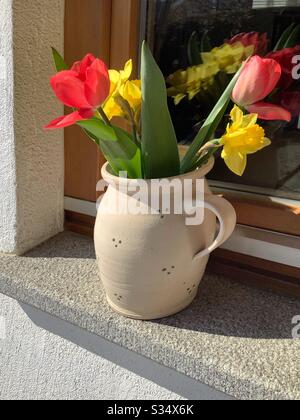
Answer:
[(151, 265)]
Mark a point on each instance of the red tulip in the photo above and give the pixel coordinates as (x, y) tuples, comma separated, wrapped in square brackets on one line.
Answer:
[(291, 101), (85, 87), (285, 59), (259, 41), (257, 80)]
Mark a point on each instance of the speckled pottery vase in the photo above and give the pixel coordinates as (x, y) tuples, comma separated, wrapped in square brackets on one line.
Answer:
[(151, 265)]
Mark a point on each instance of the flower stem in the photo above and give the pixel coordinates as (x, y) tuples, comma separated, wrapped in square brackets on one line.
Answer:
[(128, 111), (104, 116), (211, 145), (205, 153)]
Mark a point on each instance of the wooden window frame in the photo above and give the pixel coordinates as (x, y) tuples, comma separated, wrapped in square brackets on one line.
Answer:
[(109, 29)]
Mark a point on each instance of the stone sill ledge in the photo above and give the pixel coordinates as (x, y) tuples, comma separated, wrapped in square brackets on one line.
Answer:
[(233, 338)]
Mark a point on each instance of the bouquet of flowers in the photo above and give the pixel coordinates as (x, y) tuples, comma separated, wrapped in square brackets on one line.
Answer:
[(149, 150), (212, 69)]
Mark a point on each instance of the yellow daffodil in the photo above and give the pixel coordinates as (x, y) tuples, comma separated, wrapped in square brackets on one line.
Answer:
[(196, 79), (119, 78), (129, 92), (125, 95), (243, 137), (228, 58), (189, 82)]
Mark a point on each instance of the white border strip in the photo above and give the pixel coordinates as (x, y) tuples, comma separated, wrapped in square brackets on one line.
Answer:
[(254, 192), (264, 244), (80, 206)]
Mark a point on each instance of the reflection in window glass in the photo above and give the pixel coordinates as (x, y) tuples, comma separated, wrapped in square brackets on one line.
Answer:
[(199, 45)]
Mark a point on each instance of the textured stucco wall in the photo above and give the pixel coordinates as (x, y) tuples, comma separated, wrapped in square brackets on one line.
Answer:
[(31, 164), (36, 364), (7, 146)]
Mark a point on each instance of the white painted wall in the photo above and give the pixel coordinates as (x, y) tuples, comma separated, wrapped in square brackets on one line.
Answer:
[(31, 160), (38, 365)]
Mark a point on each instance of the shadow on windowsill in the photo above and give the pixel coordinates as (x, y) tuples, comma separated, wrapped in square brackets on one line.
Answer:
[(230, 309), (65, 245)]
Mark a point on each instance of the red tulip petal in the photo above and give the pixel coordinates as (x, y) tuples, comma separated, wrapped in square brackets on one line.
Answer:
[(69, 89), (259, 41), (76, 67), (80, 67), (97, 85), (270, 112), (286, 79), (236, 38), (257, 80), (85, 64), (285, 59), (70, 119), (274, 76), (53, 124), (291, 101)]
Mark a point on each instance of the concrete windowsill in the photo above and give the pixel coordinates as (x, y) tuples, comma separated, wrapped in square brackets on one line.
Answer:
[(233, 338)]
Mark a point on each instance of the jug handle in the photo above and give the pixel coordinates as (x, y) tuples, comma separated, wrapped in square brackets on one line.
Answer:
[(227, 219)]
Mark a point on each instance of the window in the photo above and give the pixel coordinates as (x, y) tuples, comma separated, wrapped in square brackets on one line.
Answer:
[(272, 179)]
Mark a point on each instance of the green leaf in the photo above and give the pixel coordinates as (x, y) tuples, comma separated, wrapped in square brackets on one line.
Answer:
[(194, 50), (294, 38), (284, 38), (117, 146), (210, 126), (159, 144), (92, 137), (59, 62), (197, 46), (122, 165), (205, 43)]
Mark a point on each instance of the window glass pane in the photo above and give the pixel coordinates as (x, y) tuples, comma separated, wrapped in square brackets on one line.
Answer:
[(179, 29)]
